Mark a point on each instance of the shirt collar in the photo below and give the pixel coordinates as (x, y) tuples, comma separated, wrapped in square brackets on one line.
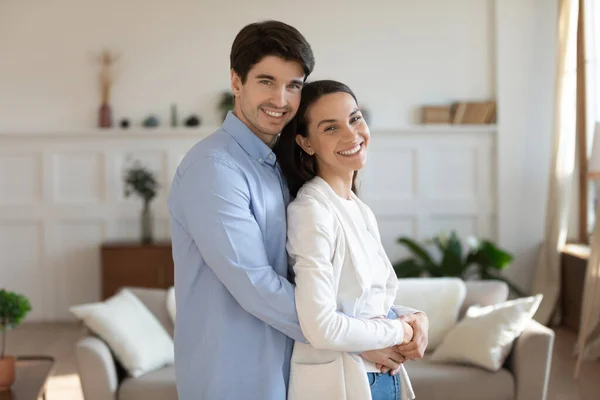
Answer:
[(248, 140)]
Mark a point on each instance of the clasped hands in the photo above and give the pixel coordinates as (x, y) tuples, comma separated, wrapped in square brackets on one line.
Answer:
[(413, 346)]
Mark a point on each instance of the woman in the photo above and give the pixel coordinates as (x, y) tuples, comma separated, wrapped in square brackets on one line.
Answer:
[(345, 284)]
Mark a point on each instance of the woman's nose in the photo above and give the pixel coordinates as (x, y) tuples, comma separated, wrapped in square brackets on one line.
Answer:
[(350, 134)]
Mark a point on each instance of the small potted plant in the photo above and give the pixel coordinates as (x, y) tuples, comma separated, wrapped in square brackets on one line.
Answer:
[(140, 181), (13, 308)]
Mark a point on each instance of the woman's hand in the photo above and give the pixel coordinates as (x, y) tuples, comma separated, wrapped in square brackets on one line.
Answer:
[(408, 336), (408, 332), (386, 360)]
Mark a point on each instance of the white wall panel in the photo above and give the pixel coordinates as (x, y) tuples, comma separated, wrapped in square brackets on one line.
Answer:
[(62, 196)]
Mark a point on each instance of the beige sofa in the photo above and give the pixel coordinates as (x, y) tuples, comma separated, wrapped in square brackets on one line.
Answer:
[(524, 376), (104, 379)]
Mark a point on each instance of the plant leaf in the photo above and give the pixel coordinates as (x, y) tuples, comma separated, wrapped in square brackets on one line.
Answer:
[(408, 268), (13, 308), (452, 262), (416, 249), (488, 256)]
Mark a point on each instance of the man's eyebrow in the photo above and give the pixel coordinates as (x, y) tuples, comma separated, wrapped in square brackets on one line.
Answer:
[(265, 76), (299, 82)]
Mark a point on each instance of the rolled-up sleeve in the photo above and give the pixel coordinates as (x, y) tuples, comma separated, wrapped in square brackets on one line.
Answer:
[(214, 199), (311, 240)]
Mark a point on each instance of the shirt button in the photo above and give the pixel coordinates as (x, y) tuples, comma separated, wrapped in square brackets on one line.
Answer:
[(271, 156), (260, 160)]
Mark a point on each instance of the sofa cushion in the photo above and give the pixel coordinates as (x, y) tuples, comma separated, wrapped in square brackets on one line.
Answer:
[(439, 298), (484, 293), (154, 300), (484, 337), (458, 382), (171, 304), (155, 385), (130, 330)]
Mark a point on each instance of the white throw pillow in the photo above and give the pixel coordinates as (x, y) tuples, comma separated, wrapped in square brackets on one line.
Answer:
[(484, 337), (439, 298), (130, 330), (171, 303)]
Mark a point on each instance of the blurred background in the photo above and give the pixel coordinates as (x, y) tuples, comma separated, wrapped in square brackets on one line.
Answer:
[(482, 115)]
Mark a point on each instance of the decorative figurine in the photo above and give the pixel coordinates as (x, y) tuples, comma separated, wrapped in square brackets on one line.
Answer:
[(193, 121), (106, 60), (173, 115), (151, 122)]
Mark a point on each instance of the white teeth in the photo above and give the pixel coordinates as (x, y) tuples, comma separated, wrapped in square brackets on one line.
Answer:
[(273, 114), (350, 152)]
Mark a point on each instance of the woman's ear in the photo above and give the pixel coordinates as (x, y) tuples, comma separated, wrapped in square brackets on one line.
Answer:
[(305, 144)]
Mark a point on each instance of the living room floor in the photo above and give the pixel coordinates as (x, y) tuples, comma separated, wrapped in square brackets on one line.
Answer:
[(58, 340)]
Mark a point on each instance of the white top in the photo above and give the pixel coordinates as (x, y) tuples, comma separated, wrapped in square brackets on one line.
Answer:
[(375, 302), (344, 280), (374, 305)]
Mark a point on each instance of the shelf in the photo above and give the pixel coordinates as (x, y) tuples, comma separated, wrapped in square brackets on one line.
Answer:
[(439, 128), (207, 130), (113, 132)]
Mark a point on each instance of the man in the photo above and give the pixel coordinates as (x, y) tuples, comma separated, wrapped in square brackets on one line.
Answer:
[(236, 316)]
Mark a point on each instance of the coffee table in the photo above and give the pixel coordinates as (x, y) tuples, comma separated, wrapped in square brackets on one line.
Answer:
[(31, 375)]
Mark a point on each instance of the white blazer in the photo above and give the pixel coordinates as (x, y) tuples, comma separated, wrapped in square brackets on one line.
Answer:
[(320, 238)]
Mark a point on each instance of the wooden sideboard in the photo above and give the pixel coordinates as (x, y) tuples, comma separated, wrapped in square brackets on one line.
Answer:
[(573, 271), (135, 264)]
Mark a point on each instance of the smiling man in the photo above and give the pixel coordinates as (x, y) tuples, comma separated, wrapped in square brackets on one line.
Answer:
[(236, 315)]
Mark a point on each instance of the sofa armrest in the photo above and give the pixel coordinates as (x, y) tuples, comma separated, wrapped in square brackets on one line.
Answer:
[(97, 370), (531, 360)]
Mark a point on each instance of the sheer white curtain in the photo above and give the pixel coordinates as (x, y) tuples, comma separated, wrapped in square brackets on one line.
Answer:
[(547, 275)]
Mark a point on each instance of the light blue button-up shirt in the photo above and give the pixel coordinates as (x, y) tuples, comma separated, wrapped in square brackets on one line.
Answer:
[(236, 315)]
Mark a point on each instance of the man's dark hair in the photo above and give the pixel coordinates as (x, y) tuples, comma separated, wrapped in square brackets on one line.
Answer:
[(269, 38)]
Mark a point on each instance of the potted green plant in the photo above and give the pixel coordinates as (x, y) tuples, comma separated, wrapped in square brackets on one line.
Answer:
[(142, 182), (482, 259), (13, 308)]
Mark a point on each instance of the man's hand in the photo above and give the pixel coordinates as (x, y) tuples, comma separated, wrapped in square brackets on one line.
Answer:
[(415, 349), (388, 359)]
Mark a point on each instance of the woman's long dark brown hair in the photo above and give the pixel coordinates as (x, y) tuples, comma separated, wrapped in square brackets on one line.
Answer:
[(297, 166)]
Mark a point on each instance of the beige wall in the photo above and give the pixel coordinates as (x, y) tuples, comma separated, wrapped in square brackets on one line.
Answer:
[(394, 54)]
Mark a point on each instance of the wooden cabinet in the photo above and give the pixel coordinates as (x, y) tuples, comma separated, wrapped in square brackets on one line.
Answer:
[(136, 264), (574, 266)]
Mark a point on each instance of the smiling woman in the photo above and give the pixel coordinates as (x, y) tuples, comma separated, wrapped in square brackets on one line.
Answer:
[(345, 283), (339, 138), (329, 137)]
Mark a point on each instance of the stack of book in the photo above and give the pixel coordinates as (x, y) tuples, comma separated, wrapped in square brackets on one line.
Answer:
[(463, 113)]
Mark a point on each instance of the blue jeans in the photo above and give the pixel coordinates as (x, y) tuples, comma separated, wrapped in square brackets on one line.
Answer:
[(384, 386)]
